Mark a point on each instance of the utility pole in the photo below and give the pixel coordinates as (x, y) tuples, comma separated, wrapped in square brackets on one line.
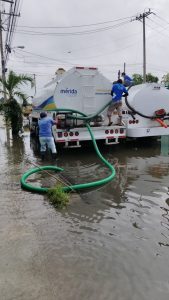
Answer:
[(2, 57), (124, 70), (141, 18), (144, 50), (34, 77), (3, 65)]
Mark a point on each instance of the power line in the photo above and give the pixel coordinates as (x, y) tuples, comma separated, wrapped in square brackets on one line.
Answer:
[(162, 19), (7, 1), (158, 31), (13, 13), (110, 53), (100, 44), (77, 26), (53, 59), (97, 30)]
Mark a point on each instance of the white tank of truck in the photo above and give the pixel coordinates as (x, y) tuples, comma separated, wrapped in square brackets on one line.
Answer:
[(146, 111), (83, 89), (80, 88)]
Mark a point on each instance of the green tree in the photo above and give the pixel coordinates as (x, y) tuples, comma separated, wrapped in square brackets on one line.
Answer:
[(151, 78), (137, 78), (11, 107), (165, 80)]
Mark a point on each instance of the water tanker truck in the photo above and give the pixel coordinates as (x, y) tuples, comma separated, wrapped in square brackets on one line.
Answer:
[(80, 89), (85, 90)]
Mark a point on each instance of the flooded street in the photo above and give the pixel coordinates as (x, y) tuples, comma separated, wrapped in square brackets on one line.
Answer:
[(111, 243)]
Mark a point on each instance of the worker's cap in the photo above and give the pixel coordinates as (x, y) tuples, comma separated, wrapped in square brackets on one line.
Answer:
[(43, 114)]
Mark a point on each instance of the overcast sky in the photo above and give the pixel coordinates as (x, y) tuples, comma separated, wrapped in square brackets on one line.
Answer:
[(107, 45)]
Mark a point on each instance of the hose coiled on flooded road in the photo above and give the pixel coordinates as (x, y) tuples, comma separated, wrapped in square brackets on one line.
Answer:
[(28, 186)]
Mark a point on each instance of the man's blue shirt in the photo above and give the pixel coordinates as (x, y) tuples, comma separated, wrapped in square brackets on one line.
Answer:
[(45, 127), (127, 78), (118, 89)]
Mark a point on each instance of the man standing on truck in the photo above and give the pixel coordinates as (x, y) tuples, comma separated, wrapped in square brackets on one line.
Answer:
[(45, 135), (128, 81), (117, 92)]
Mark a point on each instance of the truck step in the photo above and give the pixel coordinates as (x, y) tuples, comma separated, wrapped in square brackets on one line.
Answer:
[(75, 144), (112, 141)]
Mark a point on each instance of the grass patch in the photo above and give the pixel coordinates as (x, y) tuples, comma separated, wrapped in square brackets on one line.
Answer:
[(57, 197)]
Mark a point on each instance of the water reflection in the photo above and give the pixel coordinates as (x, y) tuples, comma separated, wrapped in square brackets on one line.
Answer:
[(165, 145), (16, 150), (34, 146), (137, 192), (114, 237), (135, 169)]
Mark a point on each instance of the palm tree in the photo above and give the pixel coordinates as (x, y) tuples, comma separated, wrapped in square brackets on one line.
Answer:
[(11, 107)]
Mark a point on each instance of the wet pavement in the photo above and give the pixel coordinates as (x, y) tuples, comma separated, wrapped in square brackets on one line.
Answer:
[(111, 243)]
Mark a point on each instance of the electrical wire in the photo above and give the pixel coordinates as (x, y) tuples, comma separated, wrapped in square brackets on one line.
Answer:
[(92, 31), (49, 58), (107, 43), (163, 27), (162, 19), (110, 53), (13, 14), (155, 29), (76, 26)]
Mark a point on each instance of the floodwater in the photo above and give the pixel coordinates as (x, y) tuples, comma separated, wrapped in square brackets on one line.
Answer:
[(111, 243)]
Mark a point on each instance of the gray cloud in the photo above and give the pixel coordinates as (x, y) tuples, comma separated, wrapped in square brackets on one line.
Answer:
[(107, 49)]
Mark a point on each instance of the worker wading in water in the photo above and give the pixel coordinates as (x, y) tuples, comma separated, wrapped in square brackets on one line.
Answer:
[(45, 135)]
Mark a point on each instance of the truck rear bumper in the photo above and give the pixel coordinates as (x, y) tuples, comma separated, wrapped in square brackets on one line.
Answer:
[(110, 135), (147, 131)]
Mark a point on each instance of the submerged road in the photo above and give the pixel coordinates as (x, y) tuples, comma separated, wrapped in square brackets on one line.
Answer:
[(109, 244), (27, 271), (24, 274)]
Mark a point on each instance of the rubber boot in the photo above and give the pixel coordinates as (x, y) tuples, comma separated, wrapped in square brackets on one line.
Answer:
[(42, 154), (54, 156)]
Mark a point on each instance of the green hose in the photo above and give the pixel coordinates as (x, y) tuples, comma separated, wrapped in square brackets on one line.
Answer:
[(29, 187), (83, 116), (88, 118)]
